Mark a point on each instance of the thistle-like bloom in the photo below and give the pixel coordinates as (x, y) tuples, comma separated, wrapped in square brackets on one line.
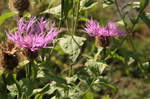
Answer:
[(33, 34), (93, 28)]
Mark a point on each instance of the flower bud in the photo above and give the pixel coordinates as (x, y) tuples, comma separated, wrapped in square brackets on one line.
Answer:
[(10, 56), (19, 5), (9, 59)]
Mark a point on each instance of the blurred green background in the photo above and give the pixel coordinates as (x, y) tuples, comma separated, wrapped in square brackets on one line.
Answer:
[(132, 81)]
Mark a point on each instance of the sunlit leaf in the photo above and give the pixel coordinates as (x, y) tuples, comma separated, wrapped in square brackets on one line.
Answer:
[(41, 90), (27, 14), (5, 16), (132, 4), (95, 67), (131, 60), (71, 45), (13, 89), (89, 95), (53, 87), (55, 10), (40, 73), (39, 96), (108, 2), (120, 22), (84, 7), (23, 63), (71, 79)]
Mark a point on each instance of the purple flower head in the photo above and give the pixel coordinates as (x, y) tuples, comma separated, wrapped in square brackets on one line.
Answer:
[(33, 34), (93, 28)]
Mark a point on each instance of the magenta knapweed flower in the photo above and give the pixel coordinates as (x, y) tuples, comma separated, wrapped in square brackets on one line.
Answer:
[(93, 28), (33, 34)]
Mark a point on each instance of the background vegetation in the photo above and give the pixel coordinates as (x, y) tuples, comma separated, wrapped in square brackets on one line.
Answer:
[(75, 67)]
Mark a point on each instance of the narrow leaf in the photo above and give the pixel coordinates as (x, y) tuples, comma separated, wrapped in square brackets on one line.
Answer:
[(5, 16)]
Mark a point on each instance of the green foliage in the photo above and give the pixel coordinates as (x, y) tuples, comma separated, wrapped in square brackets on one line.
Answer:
[(133, 5), (89, 95), (96, 68), (5, 17), (66, 5), (75, 68), (146, 19), (143, 4), (55, 10), (71, 45), (85, 6)]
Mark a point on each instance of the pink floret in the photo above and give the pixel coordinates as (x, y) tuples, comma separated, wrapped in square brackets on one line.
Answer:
[(34, 34), (93, 28)]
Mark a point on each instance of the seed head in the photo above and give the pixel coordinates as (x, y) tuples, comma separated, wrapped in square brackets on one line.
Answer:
[(8, 54)]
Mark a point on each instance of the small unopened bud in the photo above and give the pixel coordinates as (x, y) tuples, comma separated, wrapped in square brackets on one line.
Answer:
[(19, 5)]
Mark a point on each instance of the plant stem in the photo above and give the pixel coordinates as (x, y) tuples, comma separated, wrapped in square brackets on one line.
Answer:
[(130, 40), (34, 71), (104, 55), (89, 87), (29, 70), (74, 28), (132, 29), (18, 87)]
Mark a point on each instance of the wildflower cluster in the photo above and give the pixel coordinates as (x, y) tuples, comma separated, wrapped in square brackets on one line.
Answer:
[(102, 34), (34, 34), (110, 30)]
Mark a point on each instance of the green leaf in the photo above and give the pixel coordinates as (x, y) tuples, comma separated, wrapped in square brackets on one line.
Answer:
[(143, 4), (41, 90), (131, 60), (145, 18), (114, 55), (98, 53), (109, 2), (146, 64), (106, 97), (132, 4), (27, 86), (38, 96), (89, 95), (5, 16), (53, 77), (71, 79), (55, 10), (120, 22), (53, 87), (84, 7), (23, 63), (67, 5), (109, 86), (95, 67), (13, 89), (27, 14), (71, 45)]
